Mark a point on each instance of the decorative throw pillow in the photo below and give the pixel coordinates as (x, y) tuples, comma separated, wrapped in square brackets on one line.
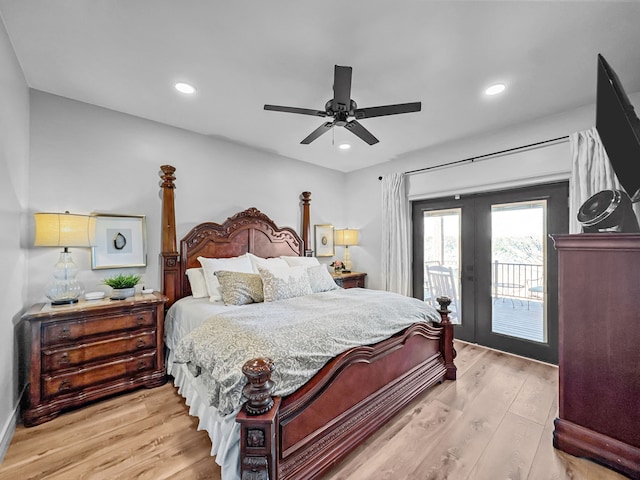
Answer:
[(266, 262), (320, 279), (283, 283), (239, 288), (300, 261), (211, 265), (197, 282)]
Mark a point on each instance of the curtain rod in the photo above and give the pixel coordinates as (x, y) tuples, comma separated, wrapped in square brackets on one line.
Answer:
[(471, 159)]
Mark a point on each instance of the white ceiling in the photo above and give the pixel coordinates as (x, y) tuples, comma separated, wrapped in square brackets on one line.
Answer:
[(126, 55)]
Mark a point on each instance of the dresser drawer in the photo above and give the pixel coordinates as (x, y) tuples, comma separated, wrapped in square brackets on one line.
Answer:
[(353, 282), (72, 330), (349, 280), (59, 384), (66, 357)]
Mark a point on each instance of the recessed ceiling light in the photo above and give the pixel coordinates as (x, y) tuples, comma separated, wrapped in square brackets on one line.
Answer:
[(495, 89), (344, 146), (185, 88)]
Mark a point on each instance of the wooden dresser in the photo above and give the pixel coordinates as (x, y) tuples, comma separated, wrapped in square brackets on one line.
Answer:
[(599, 349), (90, 350), (349, 280)]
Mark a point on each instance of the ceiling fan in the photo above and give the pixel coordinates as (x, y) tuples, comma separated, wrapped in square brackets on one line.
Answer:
[(341, 107)]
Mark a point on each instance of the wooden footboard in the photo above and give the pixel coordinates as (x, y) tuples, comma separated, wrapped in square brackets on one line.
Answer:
[(304, 434)]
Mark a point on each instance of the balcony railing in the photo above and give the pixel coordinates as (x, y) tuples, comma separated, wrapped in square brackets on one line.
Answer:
[(517, 280)]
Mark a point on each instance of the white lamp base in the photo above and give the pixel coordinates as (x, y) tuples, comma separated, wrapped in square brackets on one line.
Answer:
[(347, 259), (64, 289)]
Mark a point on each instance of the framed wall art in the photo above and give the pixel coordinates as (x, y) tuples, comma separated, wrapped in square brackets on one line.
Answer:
[(121, 241), (324, 240)]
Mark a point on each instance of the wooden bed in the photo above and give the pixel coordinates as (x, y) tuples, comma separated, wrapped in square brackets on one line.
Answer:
[(303, 435)]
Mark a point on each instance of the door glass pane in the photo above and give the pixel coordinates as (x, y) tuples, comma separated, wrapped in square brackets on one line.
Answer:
[(518, 270), (442, 258)]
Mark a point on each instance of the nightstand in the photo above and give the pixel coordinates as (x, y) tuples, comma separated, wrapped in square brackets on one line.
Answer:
[(90, 350), (349, 280)]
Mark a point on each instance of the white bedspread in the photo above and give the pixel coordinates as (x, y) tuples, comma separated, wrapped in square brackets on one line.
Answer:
[(300, 334)]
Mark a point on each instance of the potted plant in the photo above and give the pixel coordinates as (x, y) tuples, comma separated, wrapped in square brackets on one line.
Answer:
[(123, 285)]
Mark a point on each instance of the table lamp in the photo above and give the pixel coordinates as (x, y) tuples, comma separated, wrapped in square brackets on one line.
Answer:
[(64, 230), (346, 237)]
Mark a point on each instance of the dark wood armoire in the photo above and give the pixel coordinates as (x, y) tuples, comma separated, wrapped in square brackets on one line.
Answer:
[(599, 349)]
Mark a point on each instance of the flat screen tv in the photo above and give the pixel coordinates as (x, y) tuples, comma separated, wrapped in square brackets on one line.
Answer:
[(619, 129)]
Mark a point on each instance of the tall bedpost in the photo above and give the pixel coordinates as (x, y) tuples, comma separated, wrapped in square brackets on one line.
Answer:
[(306, 224), (169, 256), (446, 341)]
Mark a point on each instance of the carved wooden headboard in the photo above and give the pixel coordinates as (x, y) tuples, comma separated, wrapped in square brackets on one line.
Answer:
[(247, 231)]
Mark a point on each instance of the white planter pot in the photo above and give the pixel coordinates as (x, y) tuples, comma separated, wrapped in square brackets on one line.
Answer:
[(122, 293)]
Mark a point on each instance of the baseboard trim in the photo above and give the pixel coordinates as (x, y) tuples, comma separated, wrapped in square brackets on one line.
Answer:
[(10, 426)]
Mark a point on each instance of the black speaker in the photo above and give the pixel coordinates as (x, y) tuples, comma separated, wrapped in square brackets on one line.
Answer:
[(608, 211)]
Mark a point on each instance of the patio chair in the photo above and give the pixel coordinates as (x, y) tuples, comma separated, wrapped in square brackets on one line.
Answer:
[(535, 290), (443, 282)]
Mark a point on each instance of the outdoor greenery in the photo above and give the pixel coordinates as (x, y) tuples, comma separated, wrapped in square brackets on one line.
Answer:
[(526, 250), (122, 280)]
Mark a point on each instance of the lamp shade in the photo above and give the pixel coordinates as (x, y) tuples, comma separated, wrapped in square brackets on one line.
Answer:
[(64, 230), (347, 237)]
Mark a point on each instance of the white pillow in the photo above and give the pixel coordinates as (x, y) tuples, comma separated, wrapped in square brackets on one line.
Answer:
[(211, 265), (320, 279), (300, 261), (283, 283), (266, 262), (197, 282)]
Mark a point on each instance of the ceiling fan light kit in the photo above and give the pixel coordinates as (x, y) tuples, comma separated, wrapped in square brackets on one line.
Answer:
[(341, 107)]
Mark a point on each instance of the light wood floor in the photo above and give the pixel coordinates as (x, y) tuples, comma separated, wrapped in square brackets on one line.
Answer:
[(494, 422)]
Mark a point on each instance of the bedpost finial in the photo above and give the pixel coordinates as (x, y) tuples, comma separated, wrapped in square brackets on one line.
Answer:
[(306, 197), (260, 387), (168, 176), (444, 311)]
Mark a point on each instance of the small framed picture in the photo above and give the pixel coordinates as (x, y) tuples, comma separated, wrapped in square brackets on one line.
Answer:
[(121, 241), (324, 240)]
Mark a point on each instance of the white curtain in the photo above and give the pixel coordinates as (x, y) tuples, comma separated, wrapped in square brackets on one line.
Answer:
[(591, 172), (396, 235)]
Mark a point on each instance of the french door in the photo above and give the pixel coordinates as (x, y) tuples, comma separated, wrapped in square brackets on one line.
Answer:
[(492, 254)]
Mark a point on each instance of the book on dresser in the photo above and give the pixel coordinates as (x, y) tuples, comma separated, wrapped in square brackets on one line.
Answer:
[(90, 350)]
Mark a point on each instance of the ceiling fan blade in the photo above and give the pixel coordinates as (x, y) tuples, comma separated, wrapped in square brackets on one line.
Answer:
[(370, 112), (322, 129), (303, 111), (341, 89), (357, 129)]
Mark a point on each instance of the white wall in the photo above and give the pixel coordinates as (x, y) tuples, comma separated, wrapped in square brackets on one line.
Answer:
[(535, 166), (14, 162), (89, 159)]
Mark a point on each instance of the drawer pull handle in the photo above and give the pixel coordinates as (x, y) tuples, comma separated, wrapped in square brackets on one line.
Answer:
[(140, 343), (64, 333), (141, 365), (64, 385), (140, 320), (64, 359)]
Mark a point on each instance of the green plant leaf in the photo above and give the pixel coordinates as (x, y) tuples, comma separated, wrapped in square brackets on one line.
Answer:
[(122, 280)]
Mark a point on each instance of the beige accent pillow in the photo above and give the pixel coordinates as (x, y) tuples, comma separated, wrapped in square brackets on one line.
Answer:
[(211, 265), (283, 283), (197, 282), (320, 279), (239, 288)]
